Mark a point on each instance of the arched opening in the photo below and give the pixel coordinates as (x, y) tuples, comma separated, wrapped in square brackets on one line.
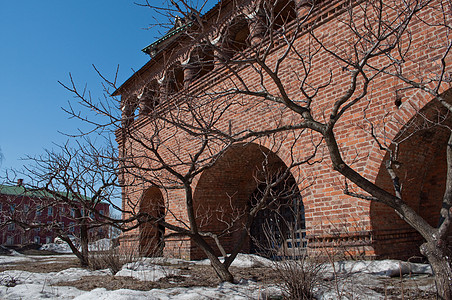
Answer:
[(422, 171), (235, 37), (201, 62), (279, 229), (152, 233), (281, 12), (227, 192), (130, 110), (149, 99), (174, 81)]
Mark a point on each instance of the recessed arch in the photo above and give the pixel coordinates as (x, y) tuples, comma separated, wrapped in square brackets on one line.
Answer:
[(200, 63), (152, 233), (235, 37), (281, 12), (174, 80), (224, 193), (149, 98), (422, 171)]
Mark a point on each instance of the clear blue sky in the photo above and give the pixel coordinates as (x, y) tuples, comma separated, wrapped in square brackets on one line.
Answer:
[(41, 42)]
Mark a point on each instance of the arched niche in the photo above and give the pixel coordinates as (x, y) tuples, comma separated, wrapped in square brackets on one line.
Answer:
[(152, 233), (226, 192), (280, 12), (149, 98), (173, 81), (200, 63), (130, 109), (279, 229), (235, 37), (422, 172)]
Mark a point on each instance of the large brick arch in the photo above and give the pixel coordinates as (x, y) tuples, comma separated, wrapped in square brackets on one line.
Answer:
[(151, 234), (422, 154), (223, 192)]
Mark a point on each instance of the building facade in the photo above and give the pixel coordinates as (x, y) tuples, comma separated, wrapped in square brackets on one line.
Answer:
[(46, 217), (188, 81)]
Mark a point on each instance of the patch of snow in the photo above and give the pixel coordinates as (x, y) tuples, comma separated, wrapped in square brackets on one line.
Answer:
[(145, 271), (223, 291), (39, 291), (387, 267), (58, 248), (13, 259), (62, 247), (168, 261), (100, 245), (71, 274), (244, 261)]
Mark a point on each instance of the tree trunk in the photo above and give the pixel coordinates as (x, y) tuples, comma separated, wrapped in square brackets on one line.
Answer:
[(84, 244), (220, 268), (439, 256)]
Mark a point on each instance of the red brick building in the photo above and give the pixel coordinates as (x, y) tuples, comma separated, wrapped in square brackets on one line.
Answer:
[(39, 209), (178, 69)]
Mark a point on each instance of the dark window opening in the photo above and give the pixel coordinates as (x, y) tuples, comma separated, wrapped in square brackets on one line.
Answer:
[(279, 228)]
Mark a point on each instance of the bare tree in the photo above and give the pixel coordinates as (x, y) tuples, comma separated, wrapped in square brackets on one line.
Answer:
[(71, 183), (158, 159), (335, 72), (307, 82)]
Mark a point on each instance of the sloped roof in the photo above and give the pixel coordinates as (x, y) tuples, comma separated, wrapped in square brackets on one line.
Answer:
[(20, 190), (163, 42)]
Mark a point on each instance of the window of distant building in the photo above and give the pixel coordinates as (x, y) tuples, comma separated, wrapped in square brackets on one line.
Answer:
[(61, 211), (50, 211), (12, 207), (38, 210), (11, 226), (48, 239), (37, 240), (73, 212), (26, 208), (1, 206), (71, 227), (9, 240)]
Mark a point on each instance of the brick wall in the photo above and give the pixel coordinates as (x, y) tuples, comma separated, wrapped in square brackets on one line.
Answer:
[(332, 218)]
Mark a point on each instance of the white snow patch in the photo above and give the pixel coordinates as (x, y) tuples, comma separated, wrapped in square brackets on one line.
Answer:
[(223, 291), (386, 267), (100, 245), (145, 271), (244, 261), (58, 248)]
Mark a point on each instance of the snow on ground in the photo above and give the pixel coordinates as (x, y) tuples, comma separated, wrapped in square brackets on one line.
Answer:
[(100, 245), (58, 248), (355, 279), (6, 260), (146, 271), (244, 261), (387, 267), (243, 291), (63, 247)]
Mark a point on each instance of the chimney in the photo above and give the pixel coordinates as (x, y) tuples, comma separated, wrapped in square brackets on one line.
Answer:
[(20, 182)]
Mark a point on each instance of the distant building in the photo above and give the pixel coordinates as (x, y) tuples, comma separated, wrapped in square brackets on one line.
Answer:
[(48, 216)]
